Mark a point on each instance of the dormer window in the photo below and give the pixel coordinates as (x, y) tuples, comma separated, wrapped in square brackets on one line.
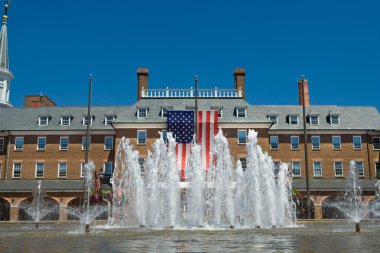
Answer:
[(273, 118), (241, 112), (219, 109), (65, 121), (190, 108), (43, 121), (314, 120), (334, 120), (85, 121), (108, 119), (293, 119), (164, 111), (142, 113)]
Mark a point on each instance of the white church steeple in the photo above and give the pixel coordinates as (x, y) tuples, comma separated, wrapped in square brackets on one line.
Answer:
[(5, 74)]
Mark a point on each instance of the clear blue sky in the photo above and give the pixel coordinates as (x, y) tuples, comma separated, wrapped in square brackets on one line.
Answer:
[(54, 45)]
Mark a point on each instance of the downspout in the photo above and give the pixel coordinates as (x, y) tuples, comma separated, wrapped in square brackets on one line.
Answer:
[(8, 153), (368, 157)]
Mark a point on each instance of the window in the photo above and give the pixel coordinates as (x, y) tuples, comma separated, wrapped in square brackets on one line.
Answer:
[(19, 143), (85, 120), (64, 143), (82, 169), (141, 161), (62, 169), (360, 168), (334, 120), (108, 142), (108, 120), (65, 121), (40, 170), (108, 169), (377, 169), (315, 142), (165, 135), (357, 141), (296, 169), (240, 112), (273, 140), (84, 142), (338, 168), (273, 118), (317, 167), (293, 119), (376, 143), (336, 142), (141, 137), (276, 168), (243, 162), (294, 141), (41, 143), (43, 121), (219, 109), (17, 170), (1, 144), (164, 111), (142, 113), (314, 119), (242, 136)]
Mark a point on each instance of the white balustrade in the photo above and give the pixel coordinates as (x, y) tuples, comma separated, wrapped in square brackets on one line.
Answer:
[(190, 93)]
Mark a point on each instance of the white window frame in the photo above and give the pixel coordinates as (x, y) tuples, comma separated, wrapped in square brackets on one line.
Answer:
[(104, 168), (13, 170), (373, 142), (357, 168), (59, 170), (298, 142), (23, 142), (311, 121), (62, 120), (270, 142), (38, 143), (60, 142), (139, 116), (108, 120), (290, 119), (245, 133), (315, 175), (165, 109), (40, 121), (105, 146), (335, 168), (295, 175), (84, 120), (340, 142), (331, 120), (237, 112), (2, 144), (319, 142), (353, 142), (275, 116), (219, 109), (83, 138), (146, 136), (82, 170), (43, 170)]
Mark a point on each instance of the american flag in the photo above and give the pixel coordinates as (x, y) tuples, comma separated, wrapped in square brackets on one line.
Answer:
[(181, 124)]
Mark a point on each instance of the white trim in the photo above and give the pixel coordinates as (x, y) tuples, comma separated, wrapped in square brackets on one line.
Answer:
[(62, 121), (106, 122), (335, 169), (298, 143), (273, 115), (59, 168), (43, 170), (320, 162), (82, 175), (47, 120), (270, 142), (146, 113), (38, 141), (84, 120), (353, 143), (313, 115), (340, 142), (146, 137), (373, 144), (334, 115), (319, 142), (23, 143), (13, 170), (68, 141), (83, 147), (290, 121), (237, 112), (242, 130), (105, 137), (362, 162), (299, 162)]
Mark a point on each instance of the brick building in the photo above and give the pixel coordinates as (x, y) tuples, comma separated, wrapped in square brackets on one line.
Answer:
[(43, 141)]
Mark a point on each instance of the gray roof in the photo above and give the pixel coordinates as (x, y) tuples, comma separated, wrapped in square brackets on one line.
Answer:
[(331, 184), (26, 119), (48, 185)]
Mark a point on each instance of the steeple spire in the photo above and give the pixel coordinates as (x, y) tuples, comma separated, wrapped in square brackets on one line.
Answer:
[(5, 74)]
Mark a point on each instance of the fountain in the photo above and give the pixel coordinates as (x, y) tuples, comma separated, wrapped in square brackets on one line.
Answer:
[(39, 207), (222, 196)]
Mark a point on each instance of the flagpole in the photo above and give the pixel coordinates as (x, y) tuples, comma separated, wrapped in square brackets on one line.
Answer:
[(196, 106), (86, 191)]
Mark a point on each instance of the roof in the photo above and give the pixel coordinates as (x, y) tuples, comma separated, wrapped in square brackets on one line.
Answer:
[(55, 185), (332, 184)]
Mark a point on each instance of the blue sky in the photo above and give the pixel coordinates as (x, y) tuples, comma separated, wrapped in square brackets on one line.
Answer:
[(54, 45)]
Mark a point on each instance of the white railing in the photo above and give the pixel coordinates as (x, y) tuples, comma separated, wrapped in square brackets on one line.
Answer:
[(190, 93)]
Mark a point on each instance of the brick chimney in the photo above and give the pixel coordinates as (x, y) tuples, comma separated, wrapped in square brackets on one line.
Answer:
[(305, 90), (239, 76), (142, 81), (38, 101)]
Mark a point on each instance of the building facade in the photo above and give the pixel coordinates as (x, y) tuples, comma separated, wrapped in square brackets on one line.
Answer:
[(43, 141)]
